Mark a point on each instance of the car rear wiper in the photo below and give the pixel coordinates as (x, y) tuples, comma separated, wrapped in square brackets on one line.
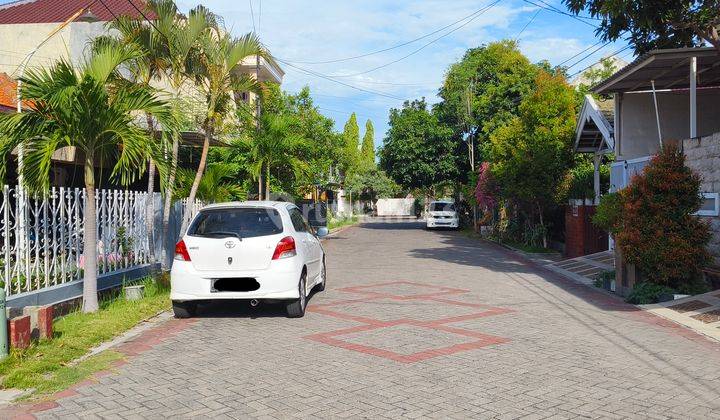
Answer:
[(221, 234)]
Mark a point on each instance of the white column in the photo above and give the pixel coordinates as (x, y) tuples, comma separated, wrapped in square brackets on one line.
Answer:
[(596, 176), (693, 97)]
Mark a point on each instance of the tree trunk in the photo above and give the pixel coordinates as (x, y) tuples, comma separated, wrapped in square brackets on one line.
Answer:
[(150, 203), (260, 183), (150, 210), (542, 225), (167, 205), (196, 181), (90, 298), (267, 181)]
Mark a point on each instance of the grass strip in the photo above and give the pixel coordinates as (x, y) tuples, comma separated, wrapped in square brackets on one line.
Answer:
[(44, 365)]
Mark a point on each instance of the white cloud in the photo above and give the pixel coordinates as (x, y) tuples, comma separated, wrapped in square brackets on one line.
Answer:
[(301, 31)]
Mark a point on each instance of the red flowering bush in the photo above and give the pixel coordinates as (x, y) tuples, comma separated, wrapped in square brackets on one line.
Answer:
[(657, 230), (486, 191)]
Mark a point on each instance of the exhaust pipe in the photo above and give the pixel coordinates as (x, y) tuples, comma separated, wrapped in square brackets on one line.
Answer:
[(254, 303)]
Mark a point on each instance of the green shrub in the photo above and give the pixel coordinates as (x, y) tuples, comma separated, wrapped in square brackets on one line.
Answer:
[(658, 231), (580, 183), (608, 213), (646, 292)]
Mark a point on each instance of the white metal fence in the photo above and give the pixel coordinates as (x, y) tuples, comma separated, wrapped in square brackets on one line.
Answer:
[(45, 247)]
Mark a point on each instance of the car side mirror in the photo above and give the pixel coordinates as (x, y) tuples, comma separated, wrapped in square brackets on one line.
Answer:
[(322, 231)]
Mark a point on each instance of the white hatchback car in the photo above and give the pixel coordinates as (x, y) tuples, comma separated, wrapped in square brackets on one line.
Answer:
[(260, 250), (442, 214)]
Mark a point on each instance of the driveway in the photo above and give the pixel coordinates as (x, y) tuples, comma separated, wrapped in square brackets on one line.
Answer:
[(417, 324)]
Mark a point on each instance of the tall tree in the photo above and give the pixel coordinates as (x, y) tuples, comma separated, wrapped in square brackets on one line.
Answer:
[(367, 151), (651, 24), (149, 66), (179, 36), (218, 77), (92, 108), (351, 136), (418, 150), (277, 145), (531, 154), (483, 90)]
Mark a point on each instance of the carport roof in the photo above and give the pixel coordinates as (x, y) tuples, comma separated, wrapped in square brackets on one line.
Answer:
[(670, 69)]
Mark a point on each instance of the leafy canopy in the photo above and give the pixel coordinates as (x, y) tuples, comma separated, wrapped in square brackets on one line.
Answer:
[(654, 24), (418, 150), (531, 154), (367, 151), (483, 90), (92, 109)]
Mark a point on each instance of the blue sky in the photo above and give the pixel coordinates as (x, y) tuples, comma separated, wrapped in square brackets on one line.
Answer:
[(310, 31), (301, 32)]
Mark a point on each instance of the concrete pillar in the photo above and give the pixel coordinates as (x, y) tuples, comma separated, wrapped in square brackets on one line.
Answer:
[(596, 176), (693, 97)]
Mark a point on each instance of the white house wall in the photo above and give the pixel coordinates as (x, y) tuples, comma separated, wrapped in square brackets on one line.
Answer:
[(21, 39), (638, 136)]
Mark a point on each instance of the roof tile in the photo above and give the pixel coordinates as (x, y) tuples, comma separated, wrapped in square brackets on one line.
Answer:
[(55, 11)]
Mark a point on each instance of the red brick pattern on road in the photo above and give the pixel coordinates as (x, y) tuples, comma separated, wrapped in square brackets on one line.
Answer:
[(429, 329), (410, 294)]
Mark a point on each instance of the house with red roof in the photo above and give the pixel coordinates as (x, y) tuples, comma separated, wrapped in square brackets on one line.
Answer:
[(24, 24)]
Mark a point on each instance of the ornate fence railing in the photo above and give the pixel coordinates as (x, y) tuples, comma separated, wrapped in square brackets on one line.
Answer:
[(41, 237)]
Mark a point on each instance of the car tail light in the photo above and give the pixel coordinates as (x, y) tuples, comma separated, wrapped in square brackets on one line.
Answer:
[(285, 248), (181, 252)]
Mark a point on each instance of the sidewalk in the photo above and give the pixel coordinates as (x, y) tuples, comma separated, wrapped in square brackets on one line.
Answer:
[(700, 313)]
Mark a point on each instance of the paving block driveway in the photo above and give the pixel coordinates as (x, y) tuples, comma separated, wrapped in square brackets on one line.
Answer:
[(417, 324)]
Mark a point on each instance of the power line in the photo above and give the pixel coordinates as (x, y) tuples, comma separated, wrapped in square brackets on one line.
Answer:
[(330, 78), (587, 55), (485, 9), (252, 15), (109, 10), (582, 52), (555, 10), (611, 55), (392, 47), (517, 37), (566, 13)]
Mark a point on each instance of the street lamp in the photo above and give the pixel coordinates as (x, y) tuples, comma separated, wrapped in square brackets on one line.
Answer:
[(82, 15)]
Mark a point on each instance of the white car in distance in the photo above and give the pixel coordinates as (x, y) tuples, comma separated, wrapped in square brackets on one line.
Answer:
[(261, 250), (442, 214)]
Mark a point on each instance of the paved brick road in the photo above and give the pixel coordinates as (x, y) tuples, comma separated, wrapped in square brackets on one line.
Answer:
[(418, 324)]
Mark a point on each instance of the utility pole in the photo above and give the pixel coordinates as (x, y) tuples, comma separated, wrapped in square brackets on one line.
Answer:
[(471, 141), (257, 123)]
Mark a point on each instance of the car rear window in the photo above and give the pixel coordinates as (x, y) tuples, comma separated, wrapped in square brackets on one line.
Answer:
[(442, 207), (239, 222)]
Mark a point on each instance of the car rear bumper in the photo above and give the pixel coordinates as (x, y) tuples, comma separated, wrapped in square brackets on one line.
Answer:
[(278, 282)]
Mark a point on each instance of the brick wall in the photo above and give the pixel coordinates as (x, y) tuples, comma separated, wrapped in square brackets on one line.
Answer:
[(703, 155)]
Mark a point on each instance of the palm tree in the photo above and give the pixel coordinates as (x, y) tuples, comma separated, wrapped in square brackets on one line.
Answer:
[(276, 145), (179, 37), (218, 77), (148, 67), (91, 109), (219, 184)]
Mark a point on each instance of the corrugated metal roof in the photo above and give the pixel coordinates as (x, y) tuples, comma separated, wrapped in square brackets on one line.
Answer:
[(56, 11), (669, 68)]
